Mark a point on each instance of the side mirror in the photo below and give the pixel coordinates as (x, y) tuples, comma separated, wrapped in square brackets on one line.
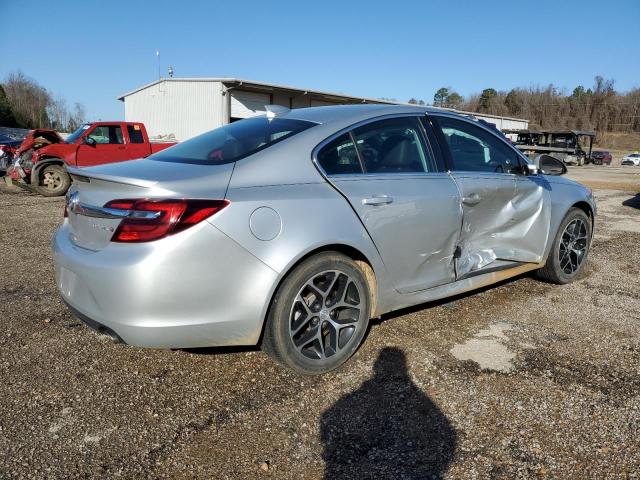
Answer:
[(548, 165), (89, 141), (529, 169)]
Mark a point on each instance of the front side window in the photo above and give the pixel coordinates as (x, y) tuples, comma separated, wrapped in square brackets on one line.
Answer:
[(473, 149), (107, 134), (233, 141), (339, 157), (394, 145)]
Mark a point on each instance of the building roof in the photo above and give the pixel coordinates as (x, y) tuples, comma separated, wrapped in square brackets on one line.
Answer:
[(255, 85)]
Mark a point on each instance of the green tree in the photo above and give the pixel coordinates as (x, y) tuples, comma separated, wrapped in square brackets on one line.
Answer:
[(440, 97), (578, 91), (515, 101), (7, 118), (413, 101), (454, 100), (486, 99)]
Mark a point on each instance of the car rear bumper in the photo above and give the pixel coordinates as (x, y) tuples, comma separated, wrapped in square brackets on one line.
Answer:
[(194, 289)]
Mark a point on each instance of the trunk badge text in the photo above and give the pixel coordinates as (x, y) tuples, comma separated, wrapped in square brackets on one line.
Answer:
[(102, 227)]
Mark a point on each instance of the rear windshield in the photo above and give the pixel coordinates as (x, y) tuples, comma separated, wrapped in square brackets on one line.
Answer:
[(232, 142)]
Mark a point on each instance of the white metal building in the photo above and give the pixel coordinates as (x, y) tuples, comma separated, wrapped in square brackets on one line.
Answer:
[(185, 107)]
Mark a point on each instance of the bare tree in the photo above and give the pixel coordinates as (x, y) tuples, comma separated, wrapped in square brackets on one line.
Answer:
[(77, 118), (29, 101), (58, 113), (599, 108)]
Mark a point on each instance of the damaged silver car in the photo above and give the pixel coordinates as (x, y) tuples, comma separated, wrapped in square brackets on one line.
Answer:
[(293, 229)]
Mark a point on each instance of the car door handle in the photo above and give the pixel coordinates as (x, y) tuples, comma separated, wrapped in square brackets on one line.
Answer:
[(377, 200), (472, 199)]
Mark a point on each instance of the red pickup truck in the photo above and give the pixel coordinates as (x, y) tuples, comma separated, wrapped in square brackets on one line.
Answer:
[(42, 158)]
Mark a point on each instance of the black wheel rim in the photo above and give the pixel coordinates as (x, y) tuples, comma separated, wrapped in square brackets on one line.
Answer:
[(325, 315), (573, 246)]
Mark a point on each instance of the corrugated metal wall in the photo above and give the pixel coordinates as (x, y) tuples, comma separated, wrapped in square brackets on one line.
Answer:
[(249, 104), (184, 109), (505, 123)]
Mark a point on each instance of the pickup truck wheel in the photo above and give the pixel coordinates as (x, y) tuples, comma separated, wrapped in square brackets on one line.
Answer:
[(53, 181)]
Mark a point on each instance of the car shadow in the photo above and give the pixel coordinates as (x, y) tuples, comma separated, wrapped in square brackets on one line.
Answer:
[(387, 428), (633, 202), (221, 350), (372, 321)]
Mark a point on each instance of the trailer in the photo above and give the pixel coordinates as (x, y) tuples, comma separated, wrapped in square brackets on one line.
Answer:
[(570, 146)]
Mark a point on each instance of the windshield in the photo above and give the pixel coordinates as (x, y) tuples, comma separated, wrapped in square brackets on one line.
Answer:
[(77, 134), (232, 142)]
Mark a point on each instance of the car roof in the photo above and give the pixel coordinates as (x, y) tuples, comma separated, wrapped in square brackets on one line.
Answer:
[(352, 113)]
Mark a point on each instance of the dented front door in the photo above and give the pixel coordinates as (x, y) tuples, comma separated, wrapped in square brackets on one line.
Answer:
[(487, 216), (505, 214)]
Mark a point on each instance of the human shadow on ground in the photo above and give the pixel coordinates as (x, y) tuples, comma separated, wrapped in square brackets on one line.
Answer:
[(633, 202), (387, 428)]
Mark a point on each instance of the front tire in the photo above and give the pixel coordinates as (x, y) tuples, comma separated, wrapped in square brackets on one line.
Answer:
[(319, 314), (53, 181), (570, 249)]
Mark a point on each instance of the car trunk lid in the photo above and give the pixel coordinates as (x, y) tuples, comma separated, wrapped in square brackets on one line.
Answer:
[(91, 225)]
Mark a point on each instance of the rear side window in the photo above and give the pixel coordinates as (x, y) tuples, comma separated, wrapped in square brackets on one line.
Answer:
[(135, 134), (394, 145), (339, 157), (233, 141)]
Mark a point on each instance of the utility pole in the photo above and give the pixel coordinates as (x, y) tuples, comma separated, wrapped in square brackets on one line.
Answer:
[(158, 56)]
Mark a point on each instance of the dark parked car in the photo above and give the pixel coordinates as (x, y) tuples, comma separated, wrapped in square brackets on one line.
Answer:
[(601, 157)]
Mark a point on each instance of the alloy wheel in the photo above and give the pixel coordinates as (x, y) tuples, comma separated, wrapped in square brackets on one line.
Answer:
[(573, 246), (325, 315), (52, 180)]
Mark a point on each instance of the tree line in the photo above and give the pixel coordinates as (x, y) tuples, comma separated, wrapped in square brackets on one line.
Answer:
[(599, 107), (24, 103)]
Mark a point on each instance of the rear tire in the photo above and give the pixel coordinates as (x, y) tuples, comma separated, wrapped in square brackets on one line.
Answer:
[(570, 249), (319, 315), (53, 181)]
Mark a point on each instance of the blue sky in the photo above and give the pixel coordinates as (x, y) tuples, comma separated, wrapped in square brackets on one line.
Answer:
[(92, 52)]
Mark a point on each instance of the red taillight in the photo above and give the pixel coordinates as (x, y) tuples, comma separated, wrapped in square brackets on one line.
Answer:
[(172, 216)]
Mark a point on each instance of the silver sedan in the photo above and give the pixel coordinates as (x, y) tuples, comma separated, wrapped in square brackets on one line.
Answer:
[(295, 228)]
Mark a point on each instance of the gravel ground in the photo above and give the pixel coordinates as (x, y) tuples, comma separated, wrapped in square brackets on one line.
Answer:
[(521, 380)]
